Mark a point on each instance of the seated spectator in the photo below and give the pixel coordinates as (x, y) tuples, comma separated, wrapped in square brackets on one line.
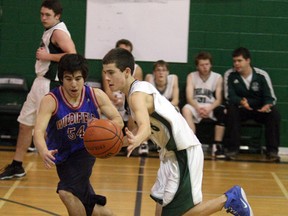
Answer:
[(204, 99), (250, 95), (165, 83)]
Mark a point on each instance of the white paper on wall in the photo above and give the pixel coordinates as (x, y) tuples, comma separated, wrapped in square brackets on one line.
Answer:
[(158, 29)]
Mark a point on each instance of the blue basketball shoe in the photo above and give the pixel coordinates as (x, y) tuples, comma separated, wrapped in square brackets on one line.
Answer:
[(237, 203)]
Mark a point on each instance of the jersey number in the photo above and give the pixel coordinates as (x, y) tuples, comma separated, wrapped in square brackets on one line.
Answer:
[(201, 100), (72, 134)]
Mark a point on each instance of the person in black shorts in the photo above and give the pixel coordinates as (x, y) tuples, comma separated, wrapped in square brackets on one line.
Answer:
[(63, 117)]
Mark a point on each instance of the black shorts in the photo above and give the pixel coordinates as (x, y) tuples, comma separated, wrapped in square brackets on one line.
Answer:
[(74, 174)]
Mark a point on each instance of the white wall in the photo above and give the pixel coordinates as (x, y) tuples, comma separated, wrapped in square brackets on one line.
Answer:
[(158, 29)]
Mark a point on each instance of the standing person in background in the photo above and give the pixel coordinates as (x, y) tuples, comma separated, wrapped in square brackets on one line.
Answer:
[(250, 95), (63, 117), (56, 42), (178, 188), (204, 96)]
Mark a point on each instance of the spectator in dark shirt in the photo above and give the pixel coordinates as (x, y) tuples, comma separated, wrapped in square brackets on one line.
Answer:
[(250, 95)]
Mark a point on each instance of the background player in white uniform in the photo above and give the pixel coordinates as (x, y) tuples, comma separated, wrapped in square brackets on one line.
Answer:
[(165, 83), (177, 190), (204, 96), (56, 42)]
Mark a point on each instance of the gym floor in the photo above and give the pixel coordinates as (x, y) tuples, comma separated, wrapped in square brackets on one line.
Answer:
[(127, 181)]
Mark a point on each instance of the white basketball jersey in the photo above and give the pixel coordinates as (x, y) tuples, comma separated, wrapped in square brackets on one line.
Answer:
[(168, 92), (204, 91), (41, 67), (169, 129)]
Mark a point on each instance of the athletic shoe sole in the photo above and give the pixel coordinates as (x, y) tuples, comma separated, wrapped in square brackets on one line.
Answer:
[(245, 199), (13, 176)]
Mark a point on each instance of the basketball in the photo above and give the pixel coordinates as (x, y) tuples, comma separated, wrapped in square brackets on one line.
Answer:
[(103, 138)]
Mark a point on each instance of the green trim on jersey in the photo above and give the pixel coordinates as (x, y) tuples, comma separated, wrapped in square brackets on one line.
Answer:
[(171, 145), (182, 200)]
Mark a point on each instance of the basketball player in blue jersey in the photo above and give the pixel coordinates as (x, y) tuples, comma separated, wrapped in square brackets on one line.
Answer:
[(58, 136), (56, 41), (178, 188)]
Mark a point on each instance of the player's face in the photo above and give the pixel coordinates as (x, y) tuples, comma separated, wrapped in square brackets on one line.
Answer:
[(114, 76), (204, 66), (161, 73), (48, 17), (241, 64), (73, 83)]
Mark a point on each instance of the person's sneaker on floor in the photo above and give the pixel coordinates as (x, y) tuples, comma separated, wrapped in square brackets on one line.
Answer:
[(143, 149), (11, 171), (218, 151), (273, 157), (32, 148), (237, 203), (231, 155)]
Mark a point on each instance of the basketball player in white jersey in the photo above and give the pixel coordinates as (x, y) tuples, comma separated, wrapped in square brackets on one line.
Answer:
[(118, 98), (178, 188), (166, 84), (204, 99), (56, 42)]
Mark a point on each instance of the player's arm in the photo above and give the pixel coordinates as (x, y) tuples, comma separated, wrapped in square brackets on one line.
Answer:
[(190, 92), (47, 107), (175, 92), (60, 39), (149, 78), (218, 93), (140, 104), (107, 108)]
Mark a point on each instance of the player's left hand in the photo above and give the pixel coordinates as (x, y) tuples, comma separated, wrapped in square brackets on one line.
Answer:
[(48, 157), (131, 140)]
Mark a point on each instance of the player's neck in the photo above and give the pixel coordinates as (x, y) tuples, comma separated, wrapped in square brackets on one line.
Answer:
[(161, 85), (246, 72), (204, 77), (73, 100), (129, 82)]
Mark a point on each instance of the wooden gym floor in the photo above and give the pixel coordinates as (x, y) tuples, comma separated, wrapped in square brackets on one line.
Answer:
[(127, 181)]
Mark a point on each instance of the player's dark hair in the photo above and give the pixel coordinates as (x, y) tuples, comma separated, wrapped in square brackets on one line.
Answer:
[(122, 58), (203, 56), (70, 63), (241, 51), (160, 63), (54, 5), (125, 42)]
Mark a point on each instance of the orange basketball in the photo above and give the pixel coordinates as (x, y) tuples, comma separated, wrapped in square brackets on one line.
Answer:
[(103, 138)]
